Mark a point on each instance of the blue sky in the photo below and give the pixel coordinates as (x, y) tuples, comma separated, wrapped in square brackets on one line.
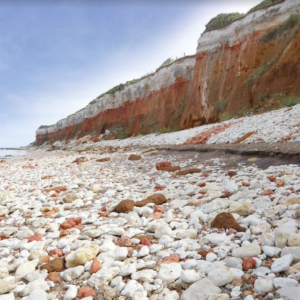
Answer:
[(57, 56)]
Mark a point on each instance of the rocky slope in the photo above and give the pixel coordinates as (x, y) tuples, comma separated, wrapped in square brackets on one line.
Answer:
[(240, 64)]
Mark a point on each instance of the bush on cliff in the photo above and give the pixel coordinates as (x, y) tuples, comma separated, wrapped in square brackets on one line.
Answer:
[(287, 26), (166, 63), (220, 106), (263, 4), (222, 20)]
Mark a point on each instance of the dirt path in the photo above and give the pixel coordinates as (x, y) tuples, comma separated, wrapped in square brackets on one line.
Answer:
[(267, 154)]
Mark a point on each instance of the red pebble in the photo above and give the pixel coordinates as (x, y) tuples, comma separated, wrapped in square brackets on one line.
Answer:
[(86, 291), (36, 237), (56, 252), (248, 263), (146, 242), (71, 223), (163, 165)]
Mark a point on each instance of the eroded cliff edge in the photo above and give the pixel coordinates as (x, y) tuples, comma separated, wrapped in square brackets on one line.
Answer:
[(240, 63)]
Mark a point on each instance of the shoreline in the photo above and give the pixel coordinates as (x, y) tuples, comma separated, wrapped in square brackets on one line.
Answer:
[(64, 203)]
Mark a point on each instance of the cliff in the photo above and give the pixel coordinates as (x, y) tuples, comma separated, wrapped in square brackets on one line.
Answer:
[(239, 64)]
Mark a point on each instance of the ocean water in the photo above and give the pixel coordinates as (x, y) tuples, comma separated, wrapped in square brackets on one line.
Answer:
[(9, 153)]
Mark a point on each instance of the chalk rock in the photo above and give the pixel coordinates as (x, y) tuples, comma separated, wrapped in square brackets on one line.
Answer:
[(169, 272), (295, 251), (6, 287), (71, 293), (219, 274), (82, 255), (73, 273), (263, 285), (26, 268), (37, 294), (290, 293), (131, 287), (294, 240), (200, 290), (247, 251), (243, 209), (282, 263)]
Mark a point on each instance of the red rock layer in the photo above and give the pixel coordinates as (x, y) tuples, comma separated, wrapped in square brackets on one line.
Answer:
[(225, 74), (161, 109)]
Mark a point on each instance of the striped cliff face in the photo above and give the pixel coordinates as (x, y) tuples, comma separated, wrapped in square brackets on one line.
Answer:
[(154, 102), (240, 63), (244, 62)]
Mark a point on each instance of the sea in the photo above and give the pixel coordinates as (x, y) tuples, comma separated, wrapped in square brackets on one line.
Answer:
[(7, 153)]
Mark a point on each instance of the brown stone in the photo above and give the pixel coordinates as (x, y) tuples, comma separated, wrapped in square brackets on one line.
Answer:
[(125, 206), (203, 253), (244, 137), (71, 223), (53, 276), (157, 199), (55, 265), (163, 165), (86, 291), (36, 237), (80, 159), (134, 157), (246, 277), (272, 178), (237, 282), (231, 173), (103, 159), (188, 171), (226, 220), (248, 263), (173, 169), (96, 266)]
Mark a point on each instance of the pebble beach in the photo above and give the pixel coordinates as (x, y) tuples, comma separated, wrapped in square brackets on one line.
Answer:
[(126, 221)]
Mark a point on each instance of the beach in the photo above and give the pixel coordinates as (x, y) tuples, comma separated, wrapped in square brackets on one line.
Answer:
[(141, 223)]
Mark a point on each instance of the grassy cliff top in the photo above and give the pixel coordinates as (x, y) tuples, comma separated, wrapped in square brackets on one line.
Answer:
[(223, 20)]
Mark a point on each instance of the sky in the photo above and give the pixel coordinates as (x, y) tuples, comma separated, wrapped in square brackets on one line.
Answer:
[(57, 56)]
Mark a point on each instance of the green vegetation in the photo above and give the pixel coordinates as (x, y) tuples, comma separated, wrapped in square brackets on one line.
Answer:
[(263, 4), (220, 106), (122, 86), (287, 26), (274, 10), (174, 128), (289, 101), (253, 78), (222, 20), (166, 63), (226, 116)]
